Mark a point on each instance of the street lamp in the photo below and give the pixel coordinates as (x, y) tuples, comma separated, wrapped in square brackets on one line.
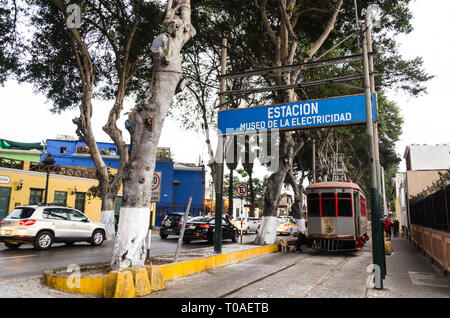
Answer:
[(48, 161), (175, 184)]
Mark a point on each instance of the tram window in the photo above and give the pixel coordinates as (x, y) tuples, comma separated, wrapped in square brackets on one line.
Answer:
[(344, 204), (313, 204), (363, 207), (328, 204)]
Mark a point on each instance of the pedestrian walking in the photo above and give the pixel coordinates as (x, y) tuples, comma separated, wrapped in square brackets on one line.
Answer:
[(396, 228), (387, 227)]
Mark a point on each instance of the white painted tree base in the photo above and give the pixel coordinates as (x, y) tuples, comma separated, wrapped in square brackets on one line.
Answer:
[(268, 231), (108, 220), (301, 224), (130, 244)]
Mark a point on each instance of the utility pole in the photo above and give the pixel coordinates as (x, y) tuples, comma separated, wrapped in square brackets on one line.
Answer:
[(380, 185), (314, 160), (220, 159), (377, 239)]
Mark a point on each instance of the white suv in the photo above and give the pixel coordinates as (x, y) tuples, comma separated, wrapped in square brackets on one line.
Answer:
[(44, 225)]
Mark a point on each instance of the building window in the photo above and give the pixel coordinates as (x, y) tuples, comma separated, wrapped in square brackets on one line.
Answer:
[(313, 204), (36, 196), (363, 207), (328, 204), (62, 150), (80, 199), (344, 204), (60, 198)]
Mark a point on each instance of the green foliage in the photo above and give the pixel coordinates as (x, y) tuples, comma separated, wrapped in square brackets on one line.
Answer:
[(52, 65), (259, 187), (10, 44)]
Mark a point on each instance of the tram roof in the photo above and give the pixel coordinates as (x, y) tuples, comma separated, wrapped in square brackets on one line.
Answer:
[(321, 185)]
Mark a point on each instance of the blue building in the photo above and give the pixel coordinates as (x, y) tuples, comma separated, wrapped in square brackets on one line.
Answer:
[(173, 197)]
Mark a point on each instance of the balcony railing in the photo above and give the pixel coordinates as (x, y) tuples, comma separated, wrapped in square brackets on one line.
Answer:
[(39, 167), (11, 163)]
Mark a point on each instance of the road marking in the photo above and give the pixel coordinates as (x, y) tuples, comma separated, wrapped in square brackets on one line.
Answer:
[(17, 256)]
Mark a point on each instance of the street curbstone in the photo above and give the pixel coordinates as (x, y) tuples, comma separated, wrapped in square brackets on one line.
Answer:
[(142, 284), (130, 283)]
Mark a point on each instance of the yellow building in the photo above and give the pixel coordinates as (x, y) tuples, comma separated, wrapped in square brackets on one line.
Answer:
[(24, 183)]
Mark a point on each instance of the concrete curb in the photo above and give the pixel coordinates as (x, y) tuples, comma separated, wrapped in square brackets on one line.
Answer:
[(108, 285)]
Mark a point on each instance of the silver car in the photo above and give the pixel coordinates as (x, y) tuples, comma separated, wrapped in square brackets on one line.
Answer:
[(44, 225)]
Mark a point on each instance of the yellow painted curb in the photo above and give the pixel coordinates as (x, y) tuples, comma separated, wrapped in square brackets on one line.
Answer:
[(156, 278), (123, 285), (176, 270), (141, 282), (83, 285)]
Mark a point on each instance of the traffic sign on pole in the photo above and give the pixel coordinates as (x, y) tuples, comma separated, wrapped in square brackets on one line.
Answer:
[(156, 186), (241, 189)]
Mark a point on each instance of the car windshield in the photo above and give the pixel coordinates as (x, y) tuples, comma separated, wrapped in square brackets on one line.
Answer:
[(201, 219), (175, 217), (21, 213)]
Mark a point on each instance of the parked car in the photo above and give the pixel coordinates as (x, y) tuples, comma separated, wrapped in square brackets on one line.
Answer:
[(254, 224), (241, 224), (44, 225), (286, 225), (171, 224), (202, 228)]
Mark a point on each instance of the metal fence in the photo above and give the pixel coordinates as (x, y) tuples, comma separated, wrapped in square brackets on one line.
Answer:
[(432, 211)]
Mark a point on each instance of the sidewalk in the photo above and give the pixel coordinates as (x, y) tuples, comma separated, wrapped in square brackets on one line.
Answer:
[(310, 274), (410, 274)]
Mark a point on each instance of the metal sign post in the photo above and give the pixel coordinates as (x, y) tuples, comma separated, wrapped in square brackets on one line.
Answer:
[(155, 197), (377, 239), (219, 160), (241, 190)]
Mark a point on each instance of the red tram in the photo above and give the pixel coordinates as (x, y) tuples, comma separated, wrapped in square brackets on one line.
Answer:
[(337, 219)]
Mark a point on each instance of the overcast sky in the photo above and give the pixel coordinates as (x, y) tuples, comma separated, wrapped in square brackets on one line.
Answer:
[(25, 116)]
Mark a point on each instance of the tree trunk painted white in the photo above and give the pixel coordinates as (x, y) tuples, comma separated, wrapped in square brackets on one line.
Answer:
[(301, 224), (131, 237), (145, 123), (108, 220), (268, 231)]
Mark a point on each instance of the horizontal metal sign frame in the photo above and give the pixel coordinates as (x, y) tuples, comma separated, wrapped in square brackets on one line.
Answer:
[(287, 68), (340, 79), (332, 112)]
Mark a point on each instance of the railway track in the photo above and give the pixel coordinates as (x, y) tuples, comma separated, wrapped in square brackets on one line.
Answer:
[(323, 278)]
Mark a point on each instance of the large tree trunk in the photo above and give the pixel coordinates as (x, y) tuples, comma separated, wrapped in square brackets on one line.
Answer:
[(285, 44), (145, 123), (268, 232), (107, 216)]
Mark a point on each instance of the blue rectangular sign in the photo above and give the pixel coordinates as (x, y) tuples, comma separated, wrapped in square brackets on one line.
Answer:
[(336, 111)]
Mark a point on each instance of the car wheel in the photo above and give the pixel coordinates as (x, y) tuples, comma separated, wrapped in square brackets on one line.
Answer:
[(235, 237), (97, 238), (13, 246), (163, 236), (187, 241), (43, 240)]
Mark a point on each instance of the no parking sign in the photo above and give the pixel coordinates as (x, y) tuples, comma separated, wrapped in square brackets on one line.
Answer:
[(241, 189)]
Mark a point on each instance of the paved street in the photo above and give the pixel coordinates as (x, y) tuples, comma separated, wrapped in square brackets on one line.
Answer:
[(312, 274), (28, 261)]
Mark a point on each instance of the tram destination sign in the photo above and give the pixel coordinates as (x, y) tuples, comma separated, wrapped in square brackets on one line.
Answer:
[(329, 112)]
